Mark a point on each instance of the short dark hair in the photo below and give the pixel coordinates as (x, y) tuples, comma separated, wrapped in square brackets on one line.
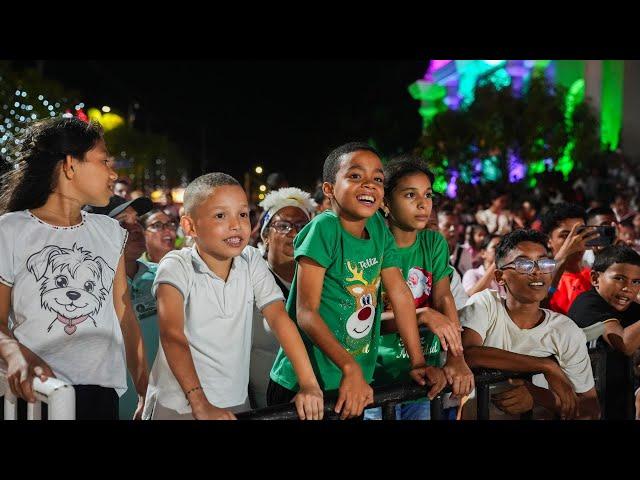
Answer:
[(123, 180), (595, 211), (200, 188), (332, 162), (401, 166), (511, 240), (143, 219), (615, 254), (559, 212)]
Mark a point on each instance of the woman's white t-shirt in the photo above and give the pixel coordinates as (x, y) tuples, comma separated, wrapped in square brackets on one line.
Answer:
[(62, 294)]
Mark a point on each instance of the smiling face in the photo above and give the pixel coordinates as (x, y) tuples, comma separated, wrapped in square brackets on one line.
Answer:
[(618, 285), (220, 224), (279, 244), (523, 287), (93, 177), (358, 191), (411, 201), (159, 235)]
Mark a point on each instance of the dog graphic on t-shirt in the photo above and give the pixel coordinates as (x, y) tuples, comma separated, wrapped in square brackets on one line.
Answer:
[(73, 283)]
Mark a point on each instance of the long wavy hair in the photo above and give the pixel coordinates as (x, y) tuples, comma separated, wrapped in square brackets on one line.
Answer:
[(41, 149)]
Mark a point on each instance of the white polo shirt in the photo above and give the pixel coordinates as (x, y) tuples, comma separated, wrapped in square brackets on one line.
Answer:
[(218, 323)]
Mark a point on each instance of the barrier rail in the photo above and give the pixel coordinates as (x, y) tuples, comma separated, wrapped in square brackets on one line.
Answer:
[(389, 396), (59, 397)]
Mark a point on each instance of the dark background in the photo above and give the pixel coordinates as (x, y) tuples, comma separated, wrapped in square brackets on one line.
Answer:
[(232, 115)]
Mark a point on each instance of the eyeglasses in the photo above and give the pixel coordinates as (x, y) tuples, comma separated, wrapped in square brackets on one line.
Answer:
[(159, 226), (285, 227), (525, 265)]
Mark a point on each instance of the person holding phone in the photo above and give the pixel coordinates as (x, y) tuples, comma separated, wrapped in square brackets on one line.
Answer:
[(564, 224)]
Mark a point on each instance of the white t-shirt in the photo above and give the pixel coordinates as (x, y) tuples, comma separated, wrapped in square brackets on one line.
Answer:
[(218, 320), (264, 348), (473, 276), (556, 335), (498, 223), (460, 296), (461, 259), (62, 294)]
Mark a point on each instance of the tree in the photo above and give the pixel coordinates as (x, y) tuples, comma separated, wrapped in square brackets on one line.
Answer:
[(500, 135)]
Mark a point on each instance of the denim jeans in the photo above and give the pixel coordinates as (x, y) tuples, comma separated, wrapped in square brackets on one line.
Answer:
[(419, 410)]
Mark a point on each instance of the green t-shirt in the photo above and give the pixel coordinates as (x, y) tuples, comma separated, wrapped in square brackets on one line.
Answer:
[(423, 265), (350, 294), (144, 304)]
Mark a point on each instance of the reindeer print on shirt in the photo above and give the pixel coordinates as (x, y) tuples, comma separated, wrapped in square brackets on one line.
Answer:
[(73, 284), (360, 323)]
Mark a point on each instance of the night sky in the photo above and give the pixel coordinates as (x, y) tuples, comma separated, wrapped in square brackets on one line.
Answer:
[(285, 115)]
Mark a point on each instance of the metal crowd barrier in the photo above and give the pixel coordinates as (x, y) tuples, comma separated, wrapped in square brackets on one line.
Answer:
[(389, 396), (59, 397)]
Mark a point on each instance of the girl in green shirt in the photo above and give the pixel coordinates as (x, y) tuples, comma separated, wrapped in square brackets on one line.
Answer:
[(424, 261)]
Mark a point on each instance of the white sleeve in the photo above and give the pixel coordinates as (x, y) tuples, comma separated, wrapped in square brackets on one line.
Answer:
[(7, 245), (573, 358), (469, 279), (265, 288), (476, 315), (173, 271)]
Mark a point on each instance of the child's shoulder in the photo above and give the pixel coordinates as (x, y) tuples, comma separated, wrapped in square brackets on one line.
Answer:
[(430, 236), (13, 219), (562, 325), (101, 220), (183, 256)]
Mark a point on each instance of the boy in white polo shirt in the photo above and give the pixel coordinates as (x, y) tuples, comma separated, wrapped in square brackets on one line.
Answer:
[(205, 299)]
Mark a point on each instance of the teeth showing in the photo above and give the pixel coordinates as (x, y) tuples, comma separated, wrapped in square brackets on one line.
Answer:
[(366, 198), (536, 284), (234, 241)]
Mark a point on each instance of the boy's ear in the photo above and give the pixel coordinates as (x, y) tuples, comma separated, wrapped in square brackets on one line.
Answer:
[(498, 276), (188, 226), (327, 189), (595, 277)]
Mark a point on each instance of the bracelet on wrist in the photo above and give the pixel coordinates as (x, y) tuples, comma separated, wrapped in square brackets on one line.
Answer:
[(189, 392)]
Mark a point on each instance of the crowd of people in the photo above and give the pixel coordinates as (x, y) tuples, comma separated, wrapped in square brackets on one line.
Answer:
[(210, 308)]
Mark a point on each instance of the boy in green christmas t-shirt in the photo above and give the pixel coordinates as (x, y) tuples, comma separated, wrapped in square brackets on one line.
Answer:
[(342, 256), (424, 261)]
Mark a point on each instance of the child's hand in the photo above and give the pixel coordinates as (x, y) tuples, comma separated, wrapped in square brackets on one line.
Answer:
[(137, 415), (429, 375), (575, 242), (209, 412), (310, 403), (22, 366), (459, 376), (447, 332), (564, 393), (354, 393), (515, 401)]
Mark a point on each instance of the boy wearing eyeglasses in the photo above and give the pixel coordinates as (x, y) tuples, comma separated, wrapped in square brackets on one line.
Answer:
[(514, 334)]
